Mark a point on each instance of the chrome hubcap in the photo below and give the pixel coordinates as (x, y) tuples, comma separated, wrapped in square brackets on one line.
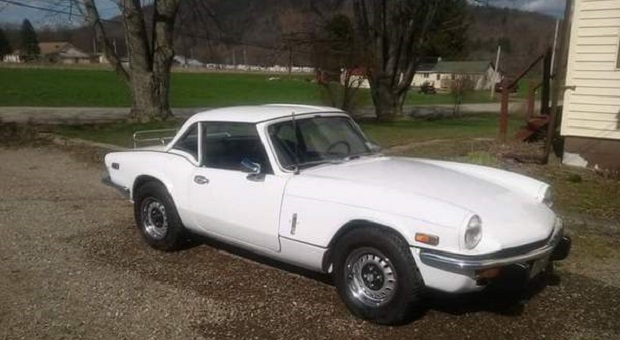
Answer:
[(154, 220), (371, 279)]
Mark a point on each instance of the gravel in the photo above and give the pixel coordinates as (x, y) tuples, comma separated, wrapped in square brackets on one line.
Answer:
[(72, 265)]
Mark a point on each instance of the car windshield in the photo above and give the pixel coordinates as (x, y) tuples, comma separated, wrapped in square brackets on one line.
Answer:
[(318, 140)]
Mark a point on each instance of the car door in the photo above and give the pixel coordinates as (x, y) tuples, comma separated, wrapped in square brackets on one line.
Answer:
[(225, 199)]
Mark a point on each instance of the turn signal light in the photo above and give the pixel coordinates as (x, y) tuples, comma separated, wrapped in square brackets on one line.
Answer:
[(488, 273), (427, 239)]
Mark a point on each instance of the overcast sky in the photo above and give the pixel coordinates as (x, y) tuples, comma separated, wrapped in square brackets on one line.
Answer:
[(10, 13)]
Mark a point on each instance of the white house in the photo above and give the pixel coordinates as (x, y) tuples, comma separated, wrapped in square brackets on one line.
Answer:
[(14, 57), (443, 73), (591, 114)]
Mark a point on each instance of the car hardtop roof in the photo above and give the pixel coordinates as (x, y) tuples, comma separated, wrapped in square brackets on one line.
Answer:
[(259, 113)]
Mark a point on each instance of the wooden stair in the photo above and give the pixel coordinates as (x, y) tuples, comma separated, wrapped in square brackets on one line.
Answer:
[(532, 128)]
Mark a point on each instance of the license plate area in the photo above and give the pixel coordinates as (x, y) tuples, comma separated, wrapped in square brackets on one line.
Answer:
[(537, 266)]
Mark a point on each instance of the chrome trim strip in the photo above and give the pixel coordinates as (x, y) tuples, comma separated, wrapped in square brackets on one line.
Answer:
[(460, 263)]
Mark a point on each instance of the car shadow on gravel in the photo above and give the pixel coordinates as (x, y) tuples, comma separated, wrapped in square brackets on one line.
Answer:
[(273, 302), (199, 240), (501, 300)]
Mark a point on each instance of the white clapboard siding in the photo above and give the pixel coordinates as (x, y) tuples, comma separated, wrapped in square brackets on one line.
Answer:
[(592, 108)]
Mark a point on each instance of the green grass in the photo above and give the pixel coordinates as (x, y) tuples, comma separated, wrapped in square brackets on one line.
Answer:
[(102, 88), (409, 131), (113, 133), (387, 134)]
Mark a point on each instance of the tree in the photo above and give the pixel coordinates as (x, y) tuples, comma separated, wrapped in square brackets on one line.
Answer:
[(149, 34), (394, 35), (5, 46), (460, 86), (336, 58), (29, 41)]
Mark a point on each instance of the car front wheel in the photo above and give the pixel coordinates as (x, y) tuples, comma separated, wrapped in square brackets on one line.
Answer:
[(376, 276), (157, 218)]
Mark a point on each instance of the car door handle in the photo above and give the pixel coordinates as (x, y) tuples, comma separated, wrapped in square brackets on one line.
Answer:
[(201, 180)]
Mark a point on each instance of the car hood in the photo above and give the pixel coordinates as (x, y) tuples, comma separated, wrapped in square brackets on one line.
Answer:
[(510, 215)]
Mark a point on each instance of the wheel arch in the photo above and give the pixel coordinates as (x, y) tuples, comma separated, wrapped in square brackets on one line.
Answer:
[(142, 179), (345, 229)]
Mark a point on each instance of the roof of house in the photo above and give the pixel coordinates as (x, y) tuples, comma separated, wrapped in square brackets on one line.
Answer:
[(258, 113), (52, 46), (462, 66), (62, 48), (426, 67)]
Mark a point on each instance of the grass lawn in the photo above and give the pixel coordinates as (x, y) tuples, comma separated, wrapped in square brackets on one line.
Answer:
[(101, 88), (386, 134)]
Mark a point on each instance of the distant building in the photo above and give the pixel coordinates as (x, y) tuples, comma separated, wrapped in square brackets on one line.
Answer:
[(591, 114), (64, 53), (443, 73), (14, 57)]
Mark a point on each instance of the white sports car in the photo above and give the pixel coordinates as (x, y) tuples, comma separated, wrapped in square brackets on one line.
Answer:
[(303, 185)]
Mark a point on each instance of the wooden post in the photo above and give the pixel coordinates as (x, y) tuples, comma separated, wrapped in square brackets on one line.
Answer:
[(558, 79), (546, 85), (531, 100), (503, 115)]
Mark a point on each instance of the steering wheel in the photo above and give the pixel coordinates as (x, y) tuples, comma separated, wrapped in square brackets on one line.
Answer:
[(335, 144)]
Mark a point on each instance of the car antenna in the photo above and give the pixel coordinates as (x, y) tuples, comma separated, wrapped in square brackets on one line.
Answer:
[(296, 153)]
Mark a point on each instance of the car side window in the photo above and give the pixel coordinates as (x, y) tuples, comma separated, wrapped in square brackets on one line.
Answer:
[(226, 145), (189, 142)]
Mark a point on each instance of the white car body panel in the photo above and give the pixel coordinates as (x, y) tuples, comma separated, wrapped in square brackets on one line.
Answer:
[(295, 217)]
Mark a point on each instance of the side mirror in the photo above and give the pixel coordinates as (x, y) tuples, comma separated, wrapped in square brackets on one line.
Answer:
[(250, 167)]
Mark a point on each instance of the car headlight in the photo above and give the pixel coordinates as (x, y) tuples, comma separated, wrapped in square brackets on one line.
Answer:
[(548, 197), (473, 232)]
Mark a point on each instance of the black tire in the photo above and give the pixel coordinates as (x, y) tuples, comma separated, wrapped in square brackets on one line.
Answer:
[(150, 199), (402, 301)]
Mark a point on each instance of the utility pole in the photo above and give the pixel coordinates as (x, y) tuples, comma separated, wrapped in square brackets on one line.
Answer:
[(555, 44), (245, 56), (496, 73), (559, 77)]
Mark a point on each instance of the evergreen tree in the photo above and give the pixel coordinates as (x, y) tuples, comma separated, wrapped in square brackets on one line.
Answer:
[(29, 41), (5, 46)]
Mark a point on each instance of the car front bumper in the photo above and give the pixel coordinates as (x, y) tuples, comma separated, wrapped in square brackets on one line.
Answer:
[(556, 249), (455, 273)]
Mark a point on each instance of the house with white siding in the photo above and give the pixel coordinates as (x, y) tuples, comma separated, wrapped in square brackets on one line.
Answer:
[(591, 114), (443, 73)]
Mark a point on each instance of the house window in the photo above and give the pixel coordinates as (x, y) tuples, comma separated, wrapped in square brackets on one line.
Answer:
[(438, 76), (426, 75)]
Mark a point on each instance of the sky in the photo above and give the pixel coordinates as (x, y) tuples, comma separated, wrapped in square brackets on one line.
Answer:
[(11, 13)]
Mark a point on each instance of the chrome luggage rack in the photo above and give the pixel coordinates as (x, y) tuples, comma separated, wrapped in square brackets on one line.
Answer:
[(153, 137)]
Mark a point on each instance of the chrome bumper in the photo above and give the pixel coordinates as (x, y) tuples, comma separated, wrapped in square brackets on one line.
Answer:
[(557, 248)]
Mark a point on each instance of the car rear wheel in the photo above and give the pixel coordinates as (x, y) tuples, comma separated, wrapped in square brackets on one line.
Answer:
[(157, 218), (376, 276)]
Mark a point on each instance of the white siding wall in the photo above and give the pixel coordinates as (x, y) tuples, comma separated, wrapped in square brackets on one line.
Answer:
[(592, 109)]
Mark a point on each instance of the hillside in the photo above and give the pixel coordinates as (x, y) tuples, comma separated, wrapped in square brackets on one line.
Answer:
[(272, 31), (269, 27)]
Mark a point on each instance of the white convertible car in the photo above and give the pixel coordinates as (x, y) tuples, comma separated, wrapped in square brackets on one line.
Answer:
[(303, 185)]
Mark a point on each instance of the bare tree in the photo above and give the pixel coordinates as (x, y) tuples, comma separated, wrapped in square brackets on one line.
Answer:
[(150, 52), (337, 61), (394, 35), (460, 87)]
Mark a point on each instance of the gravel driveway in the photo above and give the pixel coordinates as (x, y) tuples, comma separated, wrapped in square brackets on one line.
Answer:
[(73, 266)]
